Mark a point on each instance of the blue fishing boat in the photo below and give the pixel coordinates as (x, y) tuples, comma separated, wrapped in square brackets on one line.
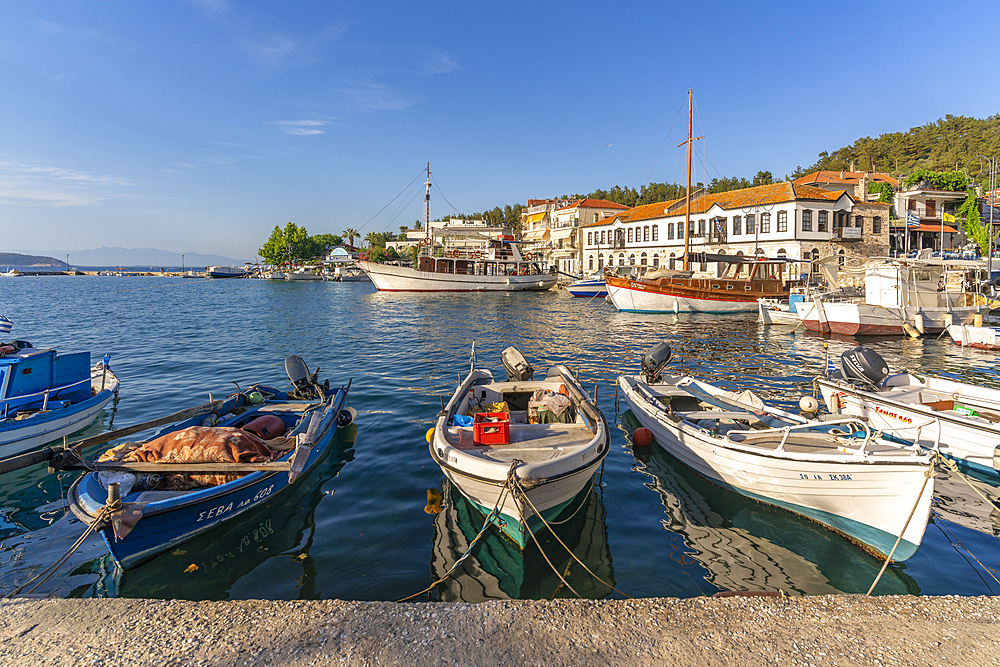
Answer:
[(589, 287), (45, 396), (144, 505)]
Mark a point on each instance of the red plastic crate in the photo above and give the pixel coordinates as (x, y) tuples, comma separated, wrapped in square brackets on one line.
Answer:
[(491, 432)]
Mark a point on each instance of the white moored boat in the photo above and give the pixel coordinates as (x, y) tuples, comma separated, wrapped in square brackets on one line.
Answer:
[(528, 447), (838, 473), (967, 335), (959, 420)]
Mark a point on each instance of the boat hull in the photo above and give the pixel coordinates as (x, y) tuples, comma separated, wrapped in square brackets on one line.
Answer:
[(984, 338), (866, 500), (168, 522), (588, 288), (861, 319), (391, 278), (684, 295), (973, 443)]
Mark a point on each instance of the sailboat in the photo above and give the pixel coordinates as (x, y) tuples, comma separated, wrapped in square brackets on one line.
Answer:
[(498, 267), (744, 280)]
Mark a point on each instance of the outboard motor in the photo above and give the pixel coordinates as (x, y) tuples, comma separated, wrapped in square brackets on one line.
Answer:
[(653, 362), (517, 367), (306, 385), (862, 364)]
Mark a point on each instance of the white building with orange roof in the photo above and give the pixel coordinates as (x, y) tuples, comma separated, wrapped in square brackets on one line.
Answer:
[(563, 248), (800, 222)]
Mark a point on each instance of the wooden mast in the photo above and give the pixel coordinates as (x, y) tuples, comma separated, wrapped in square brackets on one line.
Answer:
[(427, 203), (687, 204)]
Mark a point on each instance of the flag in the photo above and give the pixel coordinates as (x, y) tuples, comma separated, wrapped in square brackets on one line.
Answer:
[(5, 325), (912, 220), (947, 217), (831, 367)]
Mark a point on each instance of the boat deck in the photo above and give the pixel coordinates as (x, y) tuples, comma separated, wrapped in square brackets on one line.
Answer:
[(944, 402), (528, 442)]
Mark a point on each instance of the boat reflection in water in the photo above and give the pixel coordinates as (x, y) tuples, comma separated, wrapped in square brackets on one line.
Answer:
[(745, 545), (955, 501), (211, 567), (497, 569)]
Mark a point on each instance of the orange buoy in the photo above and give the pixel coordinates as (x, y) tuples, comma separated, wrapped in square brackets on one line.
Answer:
[(642, 437)]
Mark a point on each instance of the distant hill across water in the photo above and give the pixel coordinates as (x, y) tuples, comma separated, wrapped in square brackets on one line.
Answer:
[(16, 260), (106, 256)]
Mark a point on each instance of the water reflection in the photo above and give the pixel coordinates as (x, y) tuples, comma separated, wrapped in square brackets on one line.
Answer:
[(498, 570), (744, 545)]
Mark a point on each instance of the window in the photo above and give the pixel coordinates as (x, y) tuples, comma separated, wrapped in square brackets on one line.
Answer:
[(670, 231), (602, 237), (701, 228), (630, 235), (645, 234), (765, 223), (737, 225), (821, 222), (631, 260), (807, 221), (782, 221), (656, 232), (600, 262), (642, 259), (751, 224), (815, 261), (591, 264), (876, 225), (672, 261), (840, 258), (590, 239), (656, 261), (690, 231), (859, 221)]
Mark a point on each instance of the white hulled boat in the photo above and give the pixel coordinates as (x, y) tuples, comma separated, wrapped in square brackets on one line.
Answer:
[(959, 420), (862, 487), (303, 273), (589, 287), (546, 434)]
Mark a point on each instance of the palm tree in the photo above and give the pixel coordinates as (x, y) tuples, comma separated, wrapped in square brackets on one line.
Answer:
[(350, 233), (373, 239)]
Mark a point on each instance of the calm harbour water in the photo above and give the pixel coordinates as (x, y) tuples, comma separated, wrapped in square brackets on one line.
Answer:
[(356, 527)]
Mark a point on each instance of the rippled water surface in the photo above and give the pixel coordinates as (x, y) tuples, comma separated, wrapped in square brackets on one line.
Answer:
[(356, 527)]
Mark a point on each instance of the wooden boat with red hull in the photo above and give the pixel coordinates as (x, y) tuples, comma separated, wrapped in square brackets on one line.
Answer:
[(743, 282)]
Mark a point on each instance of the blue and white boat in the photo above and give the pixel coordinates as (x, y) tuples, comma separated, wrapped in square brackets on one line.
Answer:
[(589, 287), (135, 508), (539, 446), (45, 396)]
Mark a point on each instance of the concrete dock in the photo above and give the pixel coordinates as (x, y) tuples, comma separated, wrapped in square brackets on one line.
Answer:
[(703, 632)]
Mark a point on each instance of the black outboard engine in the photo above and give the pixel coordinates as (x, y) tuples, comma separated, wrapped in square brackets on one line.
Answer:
[(862, 364), (653, 362), (517, 367), (306, 386)]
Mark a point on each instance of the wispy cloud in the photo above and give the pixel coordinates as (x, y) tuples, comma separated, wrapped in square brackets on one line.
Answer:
[(305, 128), (212, 6), (371, 96), (27, 184), (437, 62), (87, 34)]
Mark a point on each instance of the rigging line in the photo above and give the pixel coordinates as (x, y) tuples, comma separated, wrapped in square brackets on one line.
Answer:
[(393, 199), (403, 208), (679, 109), (435, 184), (704, 155)]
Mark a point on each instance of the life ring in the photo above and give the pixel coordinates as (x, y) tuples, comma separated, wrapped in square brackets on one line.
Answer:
[(528, 256), (479, 254), (455, 253), (425, 241)]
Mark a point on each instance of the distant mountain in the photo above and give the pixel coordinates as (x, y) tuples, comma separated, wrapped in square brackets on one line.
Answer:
[(13, 259), (105, 256)]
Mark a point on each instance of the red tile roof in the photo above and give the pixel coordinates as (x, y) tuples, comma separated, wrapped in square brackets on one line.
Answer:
[(594, 203), (845, 177)]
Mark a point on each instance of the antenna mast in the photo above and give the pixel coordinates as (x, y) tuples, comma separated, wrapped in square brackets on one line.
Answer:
[(427, 203)]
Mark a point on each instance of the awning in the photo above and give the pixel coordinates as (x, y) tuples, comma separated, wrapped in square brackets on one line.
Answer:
[(931, 227), (536, 217), (562, 233), (534, 235)]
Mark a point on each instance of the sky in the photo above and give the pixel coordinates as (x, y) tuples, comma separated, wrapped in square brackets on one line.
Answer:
[(199, 125)]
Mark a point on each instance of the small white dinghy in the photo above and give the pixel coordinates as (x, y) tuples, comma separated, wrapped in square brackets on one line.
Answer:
[(958, 420), (520, 448), (838, 472)]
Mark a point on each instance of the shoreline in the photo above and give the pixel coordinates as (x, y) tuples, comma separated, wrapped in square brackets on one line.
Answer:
[(732, 631)]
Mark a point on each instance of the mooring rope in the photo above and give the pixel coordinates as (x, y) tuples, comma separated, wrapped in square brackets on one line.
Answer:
[(928, 475)]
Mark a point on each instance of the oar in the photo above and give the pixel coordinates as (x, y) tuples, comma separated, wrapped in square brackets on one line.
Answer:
[(48, 453)]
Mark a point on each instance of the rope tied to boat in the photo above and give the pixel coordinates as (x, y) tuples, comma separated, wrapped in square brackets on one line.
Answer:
[(929, 474), (494, 514)]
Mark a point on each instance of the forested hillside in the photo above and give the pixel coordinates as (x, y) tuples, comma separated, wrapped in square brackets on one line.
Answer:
[(16, 259)]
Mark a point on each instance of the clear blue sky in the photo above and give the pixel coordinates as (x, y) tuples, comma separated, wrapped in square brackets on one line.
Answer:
[(197, 125)]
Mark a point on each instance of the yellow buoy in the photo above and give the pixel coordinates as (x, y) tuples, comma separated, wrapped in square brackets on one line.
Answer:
[(434, 499), (430, 434)]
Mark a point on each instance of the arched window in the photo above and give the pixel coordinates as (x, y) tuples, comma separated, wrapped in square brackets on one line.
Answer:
[(841, 257), (656, 260), (621, 259), (671, 261), (782, 253), (631, 259), (591, 264), (720, 267), (600, 262), (642, 259), (815, 260), (760, 252)]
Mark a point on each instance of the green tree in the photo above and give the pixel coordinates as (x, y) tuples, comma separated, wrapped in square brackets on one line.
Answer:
[(763, 178), (884, 190), (375, 239), (350, 233), (973, 226), (273, 251)]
